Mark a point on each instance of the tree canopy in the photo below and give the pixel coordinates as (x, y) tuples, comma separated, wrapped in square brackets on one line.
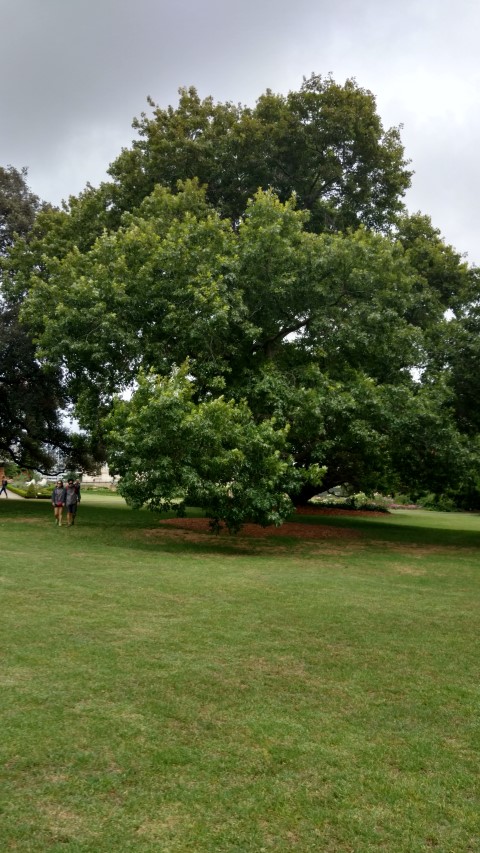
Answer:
[(18, 206), (325, 143), (246, 310), (32, 395)]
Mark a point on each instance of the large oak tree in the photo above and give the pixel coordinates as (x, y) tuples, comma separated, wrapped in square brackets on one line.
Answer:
[(267, 338)]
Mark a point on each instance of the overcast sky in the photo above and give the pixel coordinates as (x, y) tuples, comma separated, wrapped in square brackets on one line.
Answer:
[(74, 73)]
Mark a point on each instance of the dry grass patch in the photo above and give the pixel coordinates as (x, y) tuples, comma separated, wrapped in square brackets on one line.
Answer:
[(26, 520), (408, 569), (418, 552), (158, 828), (64, 825)]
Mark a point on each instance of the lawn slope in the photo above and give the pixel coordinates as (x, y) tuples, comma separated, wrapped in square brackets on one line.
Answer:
[(173, 691)]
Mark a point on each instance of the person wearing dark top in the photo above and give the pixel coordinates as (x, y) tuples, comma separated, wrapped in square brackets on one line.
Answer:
[(71, 501), (4, 486), (59, 495)]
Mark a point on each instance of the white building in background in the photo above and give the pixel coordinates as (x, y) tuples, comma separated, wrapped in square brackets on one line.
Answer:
[(104, 478)]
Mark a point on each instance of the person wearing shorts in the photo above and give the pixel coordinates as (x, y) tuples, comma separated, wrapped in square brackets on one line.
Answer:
[(58, 501)]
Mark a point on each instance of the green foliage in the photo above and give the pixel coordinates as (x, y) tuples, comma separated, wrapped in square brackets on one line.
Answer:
[(29, 419), (325, 143), (442, 274), (359, 501), (169, 452), (18, 206), (31, 491), (310, 329), (402, 500), (32, 433), (29, 391), (11, 469), (438, 503), (265, 251), (459, 345)]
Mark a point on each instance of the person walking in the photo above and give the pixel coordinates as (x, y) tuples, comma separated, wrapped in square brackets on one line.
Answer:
[(4, 486), (59, 496), (71, 501)]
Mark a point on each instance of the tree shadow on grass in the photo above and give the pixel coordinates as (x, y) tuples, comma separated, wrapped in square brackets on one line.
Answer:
[(419, 531), (144, 530)]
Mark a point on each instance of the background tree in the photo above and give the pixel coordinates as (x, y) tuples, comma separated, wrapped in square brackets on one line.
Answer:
[(32, 433), (18, 206), (30, 399)]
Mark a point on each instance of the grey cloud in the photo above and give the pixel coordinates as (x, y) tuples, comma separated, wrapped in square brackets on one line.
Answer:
[(75, 73)]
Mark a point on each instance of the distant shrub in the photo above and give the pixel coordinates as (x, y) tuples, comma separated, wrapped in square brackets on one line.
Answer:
[(12, 470), (98, 490), (402, 500), (359, 501), (30, 492), (439, 503)]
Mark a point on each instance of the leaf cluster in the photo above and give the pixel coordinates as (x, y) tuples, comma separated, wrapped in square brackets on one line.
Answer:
[(169, 451)]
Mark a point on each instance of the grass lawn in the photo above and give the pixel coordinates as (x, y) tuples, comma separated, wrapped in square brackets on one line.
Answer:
[(162, 691)]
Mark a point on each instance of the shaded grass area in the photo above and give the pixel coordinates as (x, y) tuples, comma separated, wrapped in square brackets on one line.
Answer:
[(174, 695), (411, 526)]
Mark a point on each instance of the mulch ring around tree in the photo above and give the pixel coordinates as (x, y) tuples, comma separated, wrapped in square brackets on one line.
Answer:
[(295, 530)]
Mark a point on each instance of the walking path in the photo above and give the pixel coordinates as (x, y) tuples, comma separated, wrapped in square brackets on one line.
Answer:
[(13, 496)]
